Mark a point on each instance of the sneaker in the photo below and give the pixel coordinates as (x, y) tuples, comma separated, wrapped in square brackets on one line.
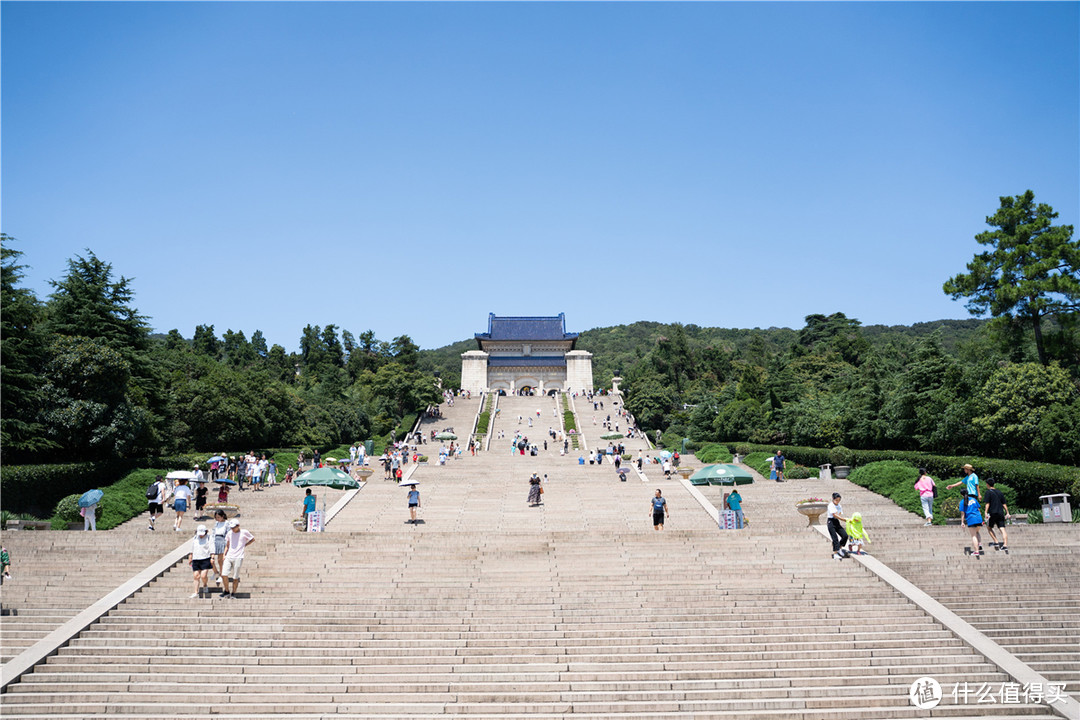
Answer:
[(928, 523), (150, 527), (192, 596), (225, 595), (836, 556)]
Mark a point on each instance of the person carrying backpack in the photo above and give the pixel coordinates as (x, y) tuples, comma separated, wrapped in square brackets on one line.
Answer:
[(155, 496)]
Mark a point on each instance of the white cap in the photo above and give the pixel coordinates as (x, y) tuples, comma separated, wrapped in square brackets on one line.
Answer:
[(201, 530), (234, 523)]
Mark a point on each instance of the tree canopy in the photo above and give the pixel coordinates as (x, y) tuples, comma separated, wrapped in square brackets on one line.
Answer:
[(1030, 272)]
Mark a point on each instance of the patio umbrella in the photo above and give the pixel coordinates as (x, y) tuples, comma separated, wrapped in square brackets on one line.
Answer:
[(181, 475), (445, 435), (721, 475), (327, 477), (90, 497)]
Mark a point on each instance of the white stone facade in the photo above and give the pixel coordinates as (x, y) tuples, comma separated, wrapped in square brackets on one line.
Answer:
[(526, 352)]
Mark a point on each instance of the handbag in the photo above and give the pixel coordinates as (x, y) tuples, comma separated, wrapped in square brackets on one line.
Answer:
[(935, 490)]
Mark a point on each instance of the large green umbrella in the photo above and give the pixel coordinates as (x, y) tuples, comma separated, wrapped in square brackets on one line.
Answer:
[(327, 477), (721, 475)]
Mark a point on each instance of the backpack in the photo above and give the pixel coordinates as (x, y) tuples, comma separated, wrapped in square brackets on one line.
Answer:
[(152, 491)]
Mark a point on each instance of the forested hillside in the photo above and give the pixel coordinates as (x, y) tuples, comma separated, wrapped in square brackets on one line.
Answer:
[(83, 379)]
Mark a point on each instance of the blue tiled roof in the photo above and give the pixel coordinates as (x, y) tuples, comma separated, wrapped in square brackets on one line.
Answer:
[(526, 328), (520, 361)]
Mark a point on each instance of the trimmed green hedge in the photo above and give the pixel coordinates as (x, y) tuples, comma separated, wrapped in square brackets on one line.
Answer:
[(482, 423), (37, 488), (1029, 479)]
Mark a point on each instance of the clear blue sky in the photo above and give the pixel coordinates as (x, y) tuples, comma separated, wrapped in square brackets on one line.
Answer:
[(411, 167)]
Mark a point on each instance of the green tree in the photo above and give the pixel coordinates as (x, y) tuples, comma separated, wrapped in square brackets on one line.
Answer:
[(206, 342), (1015, 399), (1032, 270), (22, 350)]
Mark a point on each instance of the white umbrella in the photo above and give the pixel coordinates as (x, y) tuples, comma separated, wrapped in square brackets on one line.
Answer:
[(181, 475), (404, 483)]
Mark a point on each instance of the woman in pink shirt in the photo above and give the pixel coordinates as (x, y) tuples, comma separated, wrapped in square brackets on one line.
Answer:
[(925, 486)]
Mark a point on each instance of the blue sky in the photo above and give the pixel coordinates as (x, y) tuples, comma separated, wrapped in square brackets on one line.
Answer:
[(411, 167)]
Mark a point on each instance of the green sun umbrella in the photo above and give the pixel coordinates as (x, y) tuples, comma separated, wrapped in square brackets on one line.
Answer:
[(721, 475), (327, 477)]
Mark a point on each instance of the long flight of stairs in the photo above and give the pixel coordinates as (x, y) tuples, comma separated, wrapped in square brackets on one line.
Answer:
[(491, 608)]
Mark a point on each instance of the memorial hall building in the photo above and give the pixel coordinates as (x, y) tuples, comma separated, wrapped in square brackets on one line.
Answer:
[(520, 355)]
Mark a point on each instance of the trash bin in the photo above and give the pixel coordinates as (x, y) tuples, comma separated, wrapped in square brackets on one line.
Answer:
[(826, 472), (1055, 508)]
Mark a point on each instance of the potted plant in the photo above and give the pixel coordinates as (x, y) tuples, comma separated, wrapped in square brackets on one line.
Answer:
[(813, 509), (840, 457)]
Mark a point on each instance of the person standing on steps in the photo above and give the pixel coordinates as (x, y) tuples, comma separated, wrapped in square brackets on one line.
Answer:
[(535, 490), (972, 519), (996, 513), (236, 542), (734, 503), (926, 488), (778, 465), (309, 506), (221, 532), (835, 524), (202, 548), (157, 504), (414, 503), (181, 498), (970, 483), (659, 510)]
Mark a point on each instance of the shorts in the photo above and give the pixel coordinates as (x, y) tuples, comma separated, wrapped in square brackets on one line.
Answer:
[(658, 518), (156, 508), (995, 520), (414, 504), (204, 564), (231, 567), (180, 505)]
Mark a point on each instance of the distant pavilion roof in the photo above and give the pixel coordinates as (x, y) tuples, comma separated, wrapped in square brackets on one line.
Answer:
[(526, 329)]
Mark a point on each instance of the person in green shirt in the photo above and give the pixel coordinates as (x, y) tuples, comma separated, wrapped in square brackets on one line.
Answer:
[(5, 562)]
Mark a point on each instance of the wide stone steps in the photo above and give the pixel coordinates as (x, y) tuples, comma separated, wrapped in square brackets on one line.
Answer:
[(492, 609)]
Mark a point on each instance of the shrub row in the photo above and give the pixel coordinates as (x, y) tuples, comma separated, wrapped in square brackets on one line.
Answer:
[(482, 423), (37, 488), (1029, 479)]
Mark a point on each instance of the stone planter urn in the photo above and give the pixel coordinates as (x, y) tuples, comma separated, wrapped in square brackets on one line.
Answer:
[(813, 512), (841, 471), (363, 473), (686, 472)]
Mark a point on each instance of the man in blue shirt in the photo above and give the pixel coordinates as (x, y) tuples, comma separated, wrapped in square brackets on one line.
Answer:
[(659, 510), (734, 503), (309, 505), (970, 483)]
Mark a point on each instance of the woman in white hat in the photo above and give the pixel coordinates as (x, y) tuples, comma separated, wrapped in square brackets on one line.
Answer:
[(202, 547)]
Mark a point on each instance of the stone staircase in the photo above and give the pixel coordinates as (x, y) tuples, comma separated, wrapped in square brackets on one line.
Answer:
[(490, 608)]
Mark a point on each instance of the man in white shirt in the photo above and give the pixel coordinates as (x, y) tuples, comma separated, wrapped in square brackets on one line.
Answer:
[(236, 541), (837, 532)]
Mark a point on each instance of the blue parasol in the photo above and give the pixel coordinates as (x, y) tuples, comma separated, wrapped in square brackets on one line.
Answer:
[(90, 497)]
